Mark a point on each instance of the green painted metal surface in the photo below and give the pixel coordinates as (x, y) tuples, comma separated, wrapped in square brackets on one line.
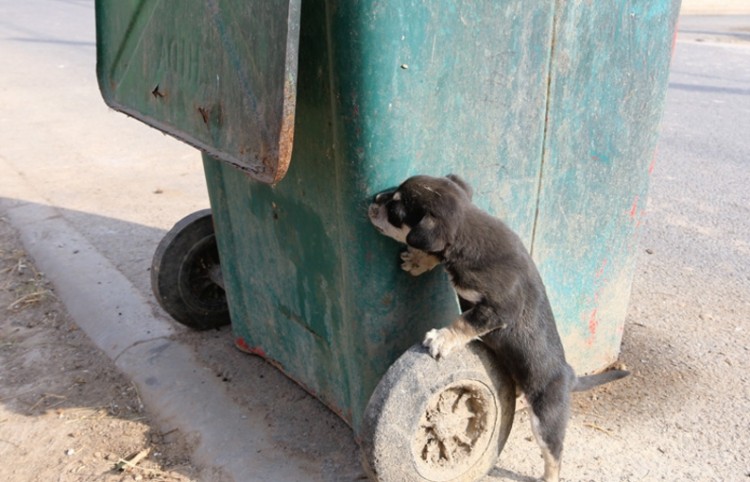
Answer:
[(218, 74), (609, 69), (318, 289), (549, 109)]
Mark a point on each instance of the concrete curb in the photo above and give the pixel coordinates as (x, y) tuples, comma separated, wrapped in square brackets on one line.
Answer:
[(176, 389)]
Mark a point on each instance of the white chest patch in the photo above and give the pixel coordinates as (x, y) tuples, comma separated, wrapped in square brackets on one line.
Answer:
[(472, 296)]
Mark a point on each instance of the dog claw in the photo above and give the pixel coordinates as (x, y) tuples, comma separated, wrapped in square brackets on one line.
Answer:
[(411, 264), (438, 342), (416, 262)]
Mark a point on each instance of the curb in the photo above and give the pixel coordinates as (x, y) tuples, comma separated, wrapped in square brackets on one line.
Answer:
[(175, 388)]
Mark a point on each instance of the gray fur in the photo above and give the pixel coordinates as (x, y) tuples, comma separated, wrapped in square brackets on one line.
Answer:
[(485, 257)]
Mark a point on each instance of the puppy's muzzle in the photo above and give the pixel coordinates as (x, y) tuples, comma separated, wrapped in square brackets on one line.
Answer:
[(376, 213), (373, 211)]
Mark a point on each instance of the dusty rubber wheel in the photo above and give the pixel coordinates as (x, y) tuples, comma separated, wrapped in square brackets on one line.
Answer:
[(438, 421), (186, 274)]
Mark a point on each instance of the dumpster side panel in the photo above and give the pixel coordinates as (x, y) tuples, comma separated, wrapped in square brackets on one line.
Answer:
[(607, 85)]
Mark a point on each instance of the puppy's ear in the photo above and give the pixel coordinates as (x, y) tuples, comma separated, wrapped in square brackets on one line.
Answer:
[(462, 184), (431, 234)]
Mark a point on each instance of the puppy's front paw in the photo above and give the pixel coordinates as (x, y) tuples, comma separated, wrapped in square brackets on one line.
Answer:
[(440, 342), (417, 262)]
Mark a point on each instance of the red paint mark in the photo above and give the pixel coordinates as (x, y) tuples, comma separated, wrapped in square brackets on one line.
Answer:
[(602, 268), (242, 345), (593, 323), (653, 163), (634, 208), (258, 351)]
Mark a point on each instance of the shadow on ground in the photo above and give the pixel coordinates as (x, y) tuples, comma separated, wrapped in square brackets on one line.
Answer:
[(298, 423)]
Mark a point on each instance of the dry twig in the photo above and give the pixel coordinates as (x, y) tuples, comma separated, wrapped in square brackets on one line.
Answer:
[(30, 299), (44, 397), (133, 460), (597, 427)]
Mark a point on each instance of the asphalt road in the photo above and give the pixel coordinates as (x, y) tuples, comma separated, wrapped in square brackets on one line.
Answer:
[(92, 188)]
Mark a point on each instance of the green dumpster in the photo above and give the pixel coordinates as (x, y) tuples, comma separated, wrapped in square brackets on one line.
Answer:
[(305, 110)]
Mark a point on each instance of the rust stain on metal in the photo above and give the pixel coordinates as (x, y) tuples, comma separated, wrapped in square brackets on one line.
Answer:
[(286, 133)]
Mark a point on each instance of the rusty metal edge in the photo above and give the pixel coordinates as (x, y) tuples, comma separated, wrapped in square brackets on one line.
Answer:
[(286, 135)]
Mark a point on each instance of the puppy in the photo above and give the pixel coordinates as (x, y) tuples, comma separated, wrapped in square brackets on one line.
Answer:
[(501, 292)]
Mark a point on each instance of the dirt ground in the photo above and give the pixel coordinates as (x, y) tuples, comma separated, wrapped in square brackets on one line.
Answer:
[(66, 413)]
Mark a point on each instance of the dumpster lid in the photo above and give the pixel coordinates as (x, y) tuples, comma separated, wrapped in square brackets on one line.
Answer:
[(219, 75)]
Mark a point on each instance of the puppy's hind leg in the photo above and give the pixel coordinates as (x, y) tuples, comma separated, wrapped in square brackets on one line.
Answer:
[(549, 414)]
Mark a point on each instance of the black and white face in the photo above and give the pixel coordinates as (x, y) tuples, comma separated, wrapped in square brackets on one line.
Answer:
[(423, 212), (389, 215)]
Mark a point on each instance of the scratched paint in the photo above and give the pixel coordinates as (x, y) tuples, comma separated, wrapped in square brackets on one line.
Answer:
[(634, 208), (652, 166), (608, 75), (593, 324)]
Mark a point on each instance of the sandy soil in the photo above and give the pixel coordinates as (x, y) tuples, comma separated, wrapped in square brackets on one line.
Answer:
[(66, 413)]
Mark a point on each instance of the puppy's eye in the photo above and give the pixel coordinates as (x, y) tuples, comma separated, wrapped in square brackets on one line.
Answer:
[(396, 213), (386, 196)]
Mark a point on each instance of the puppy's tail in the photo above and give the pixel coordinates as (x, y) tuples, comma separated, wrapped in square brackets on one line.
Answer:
[(590, 381)]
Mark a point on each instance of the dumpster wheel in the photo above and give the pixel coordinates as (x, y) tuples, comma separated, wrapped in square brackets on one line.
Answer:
[(438, 421), (186, 274)]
